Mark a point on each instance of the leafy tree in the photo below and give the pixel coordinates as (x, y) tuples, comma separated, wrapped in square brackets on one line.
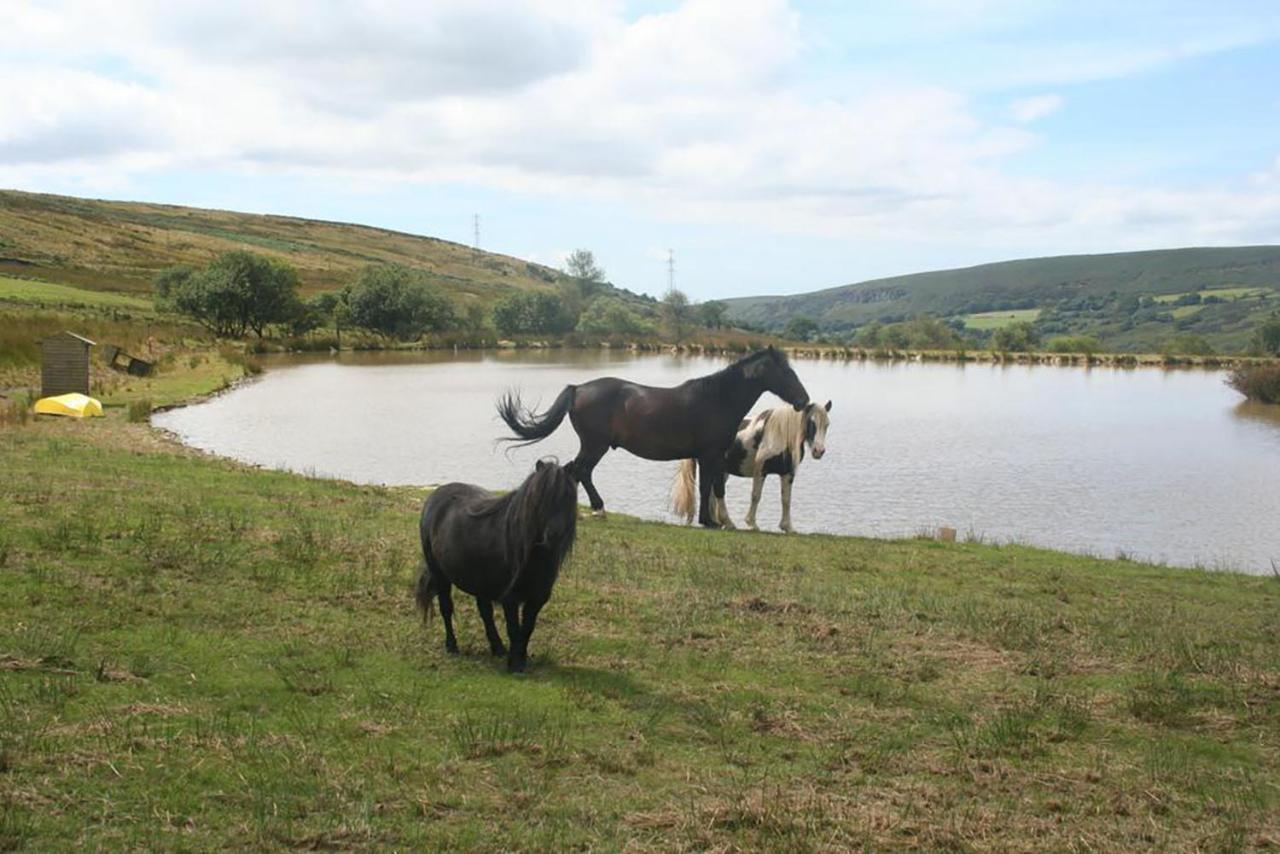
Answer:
[(930, 333), (1188, 345), (1017, 337), (531, 314), (1266, 338), (869, 335), (1086, 344), (612, 316), (237, 292), (711, 313), (168, 281), (581, 264), (333, 307), (675, 313), (800, 328), (398, 301), (474, 318)]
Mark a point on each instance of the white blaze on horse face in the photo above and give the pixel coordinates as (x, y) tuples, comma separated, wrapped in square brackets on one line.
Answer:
[(820, 423)]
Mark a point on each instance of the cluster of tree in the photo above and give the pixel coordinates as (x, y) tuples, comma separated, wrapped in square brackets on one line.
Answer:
[(919, 333), (1266, 338), (237, 292), (240, 291)]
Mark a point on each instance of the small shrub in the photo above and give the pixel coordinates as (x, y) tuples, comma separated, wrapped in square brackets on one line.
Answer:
[(139, 411), (1086, 344), (15, 411), (1257, 382), (251, 366)]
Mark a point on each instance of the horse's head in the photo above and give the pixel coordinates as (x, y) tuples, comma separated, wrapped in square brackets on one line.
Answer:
[(555, 488), (816, 422), (773, 370)]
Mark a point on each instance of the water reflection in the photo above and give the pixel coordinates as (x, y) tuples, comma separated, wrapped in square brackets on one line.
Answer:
[(1263, 415)]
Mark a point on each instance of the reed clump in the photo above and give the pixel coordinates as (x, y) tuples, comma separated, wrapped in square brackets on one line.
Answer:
[(1257, 382)]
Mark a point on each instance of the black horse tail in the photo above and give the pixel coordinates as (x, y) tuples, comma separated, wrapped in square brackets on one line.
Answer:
[(527, 426), (425, 593)]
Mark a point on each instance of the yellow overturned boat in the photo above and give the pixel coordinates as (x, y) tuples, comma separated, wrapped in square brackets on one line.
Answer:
[(75, 405)]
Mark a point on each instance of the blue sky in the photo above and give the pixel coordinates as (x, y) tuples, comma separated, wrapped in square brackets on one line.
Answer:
[(775, 147)]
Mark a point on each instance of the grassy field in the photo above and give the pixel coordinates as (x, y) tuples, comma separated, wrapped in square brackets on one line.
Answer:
[(1229, 294), (48, 294), (120, 246), (1000, 319), (195, 654)]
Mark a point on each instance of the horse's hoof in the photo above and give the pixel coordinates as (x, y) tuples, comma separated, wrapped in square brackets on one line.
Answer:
[(599, 514), (498, 651), (516, 666), (452, 649)]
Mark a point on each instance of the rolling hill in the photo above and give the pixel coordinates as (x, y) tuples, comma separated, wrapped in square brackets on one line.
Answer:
[(120, 246), (1129, 300)]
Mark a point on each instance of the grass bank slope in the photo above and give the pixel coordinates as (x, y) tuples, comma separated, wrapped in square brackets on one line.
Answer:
[(121, 245), (194, 654), (1077, 294)]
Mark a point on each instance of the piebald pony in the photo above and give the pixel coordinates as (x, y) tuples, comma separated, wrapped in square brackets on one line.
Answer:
[(770, 442)]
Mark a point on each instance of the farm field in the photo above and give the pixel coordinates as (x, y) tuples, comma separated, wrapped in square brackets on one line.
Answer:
[(197, 654), (1000, 319), (49, 294), (1228, 294)]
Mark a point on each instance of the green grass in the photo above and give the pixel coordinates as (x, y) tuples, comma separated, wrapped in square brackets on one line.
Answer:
[(198, 655), (49, 294), (1000, 319)]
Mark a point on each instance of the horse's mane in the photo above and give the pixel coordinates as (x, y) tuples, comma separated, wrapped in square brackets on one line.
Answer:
[(738, 367), (785, 428), (542, 511)]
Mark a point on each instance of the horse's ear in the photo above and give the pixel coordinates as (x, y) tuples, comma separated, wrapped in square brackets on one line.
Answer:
[(540, 465), (809, 407), (828, 406)]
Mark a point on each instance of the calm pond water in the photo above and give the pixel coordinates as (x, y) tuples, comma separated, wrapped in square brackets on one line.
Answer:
[(1162, 465)]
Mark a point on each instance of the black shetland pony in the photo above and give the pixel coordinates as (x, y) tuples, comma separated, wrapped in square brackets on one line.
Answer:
[(505, 549), (695, 420)]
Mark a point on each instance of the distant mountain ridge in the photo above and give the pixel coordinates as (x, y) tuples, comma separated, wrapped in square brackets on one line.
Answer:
[(1062, 287)]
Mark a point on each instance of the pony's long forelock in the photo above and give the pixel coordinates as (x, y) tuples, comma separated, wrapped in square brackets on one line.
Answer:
[(549, 494)]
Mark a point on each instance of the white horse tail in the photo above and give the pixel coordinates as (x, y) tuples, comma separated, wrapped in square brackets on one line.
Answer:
[(683, 502)]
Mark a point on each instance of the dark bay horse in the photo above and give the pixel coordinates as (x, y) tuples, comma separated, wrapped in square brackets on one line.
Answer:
[(695, 420), (505, 549)]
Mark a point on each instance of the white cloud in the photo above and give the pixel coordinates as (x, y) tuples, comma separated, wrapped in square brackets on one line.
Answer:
[(1027, 110), (694, 112)]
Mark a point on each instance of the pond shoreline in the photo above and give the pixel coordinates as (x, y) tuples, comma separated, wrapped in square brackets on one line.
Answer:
[(831, 352)]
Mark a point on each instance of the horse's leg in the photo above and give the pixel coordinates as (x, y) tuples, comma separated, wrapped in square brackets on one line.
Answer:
[(757, 486), (527, 622), (787, 480), (511, 610), (446, 611), (722, 511), (709, 469), (583, 464), (496, 647)]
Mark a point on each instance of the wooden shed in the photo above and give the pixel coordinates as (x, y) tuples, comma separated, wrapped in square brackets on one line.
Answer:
[(64, 364)]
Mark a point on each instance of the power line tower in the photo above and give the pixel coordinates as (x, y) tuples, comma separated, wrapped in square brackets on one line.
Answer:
[(475, 229), (671, 270)]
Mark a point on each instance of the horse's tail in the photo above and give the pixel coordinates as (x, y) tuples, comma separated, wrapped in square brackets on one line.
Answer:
[(424, 593), (530, 427), (682, 490)]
